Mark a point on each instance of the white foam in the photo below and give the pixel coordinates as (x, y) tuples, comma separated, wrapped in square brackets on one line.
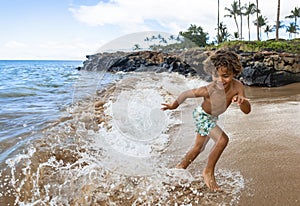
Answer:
[(122, 161)]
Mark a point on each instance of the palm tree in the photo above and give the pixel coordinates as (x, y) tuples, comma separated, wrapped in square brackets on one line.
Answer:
[(292, 29), (269, 29), (262, 21), (153, 37), (224, 34), (163, 40), (233, 12), (250, 10), (172, 37), (277, 21), (241, 16), (295, 14), (281, 25), (159, 36), (136, 47), (218, 35), (257, 27)]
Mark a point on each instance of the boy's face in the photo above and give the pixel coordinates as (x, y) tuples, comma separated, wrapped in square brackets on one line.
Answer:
[(223, 77)]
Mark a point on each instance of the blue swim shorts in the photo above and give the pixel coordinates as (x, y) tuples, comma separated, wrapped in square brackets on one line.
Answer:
[(204, 122)]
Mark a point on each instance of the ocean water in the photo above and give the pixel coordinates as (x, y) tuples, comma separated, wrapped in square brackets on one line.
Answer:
[(35, 93), (27, 91)]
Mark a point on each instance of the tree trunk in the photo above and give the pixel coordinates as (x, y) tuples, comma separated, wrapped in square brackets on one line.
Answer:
[(241, 16), (218, 38), (257, 27), (277, 21), (237, 26), (248, 20)]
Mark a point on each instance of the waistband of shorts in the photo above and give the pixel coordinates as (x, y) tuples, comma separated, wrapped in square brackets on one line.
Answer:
[(203, 112), (200, 109)]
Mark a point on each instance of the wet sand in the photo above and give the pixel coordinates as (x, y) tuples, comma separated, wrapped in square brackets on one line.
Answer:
[(265, 146)]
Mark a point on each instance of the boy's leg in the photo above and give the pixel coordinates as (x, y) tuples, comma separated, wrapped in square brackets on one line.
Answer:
[(221, 140), (198, 147)]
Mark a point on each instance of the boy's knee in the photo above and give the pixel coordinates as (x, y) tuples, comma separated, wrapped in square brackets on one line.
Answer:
[(202, 148), (223, 140)]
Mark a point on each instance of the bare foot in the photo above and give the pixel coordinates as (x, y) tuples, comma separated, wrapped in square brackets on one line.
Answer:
[(210, 181)]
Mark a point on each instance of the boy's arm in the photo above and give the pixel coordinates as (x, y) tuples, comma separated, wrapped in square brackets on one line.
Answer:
[(245, 106), (241, 100), (192, 93)]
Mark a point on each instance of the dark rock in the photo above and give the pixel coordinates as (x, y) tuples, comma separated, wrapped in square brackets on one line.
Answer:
[(139, 62), (270, 69), (267, 68)]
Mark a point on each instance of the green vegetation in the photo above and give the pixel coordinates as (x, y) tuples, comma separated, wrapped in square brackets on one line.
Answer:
[(282, 45), (292, 46), (196, 35)]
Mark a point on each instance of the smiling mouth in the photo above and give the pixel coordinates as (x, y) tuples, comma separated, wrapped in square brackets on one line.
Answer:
[(221, 85)]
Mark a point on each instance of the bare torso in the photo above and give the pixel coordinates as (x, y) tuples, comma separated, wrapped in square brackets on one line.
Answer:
[(218, 100)]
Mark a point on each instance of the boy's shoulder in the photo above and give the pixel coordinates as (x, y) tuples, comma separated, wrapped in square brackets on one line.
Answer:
[(237, 83)]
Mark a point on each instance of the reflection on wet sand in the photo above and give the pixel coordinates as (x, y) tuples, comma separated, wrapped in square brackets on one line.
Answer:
[(265, 146)]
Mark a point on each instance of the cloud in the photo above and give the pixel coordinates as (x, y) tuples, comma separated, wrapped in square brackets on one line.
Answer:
[(15, 45), (133, 15), (171, 16)]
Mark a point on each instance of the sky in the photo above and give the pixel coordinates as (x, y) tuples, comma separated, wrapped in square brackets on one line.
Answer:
[(72, 29)]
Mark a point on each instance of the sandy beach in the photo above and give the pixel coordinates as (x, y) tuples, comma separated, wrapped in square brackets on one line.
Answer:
[(265, 146)]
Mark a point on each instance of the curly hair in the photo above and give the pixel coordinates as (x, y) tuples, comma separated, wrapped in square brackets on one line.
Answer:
[(223, 58)]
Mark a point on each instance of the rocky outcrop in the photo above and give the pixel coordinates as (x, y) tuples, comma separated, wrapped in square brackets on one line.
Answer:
[(266, 68), (141, 61), (270, 69)]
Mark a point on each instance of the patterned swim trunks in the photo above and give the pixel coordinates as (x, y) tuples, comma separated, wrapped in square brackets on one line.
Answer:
[(204, 122)]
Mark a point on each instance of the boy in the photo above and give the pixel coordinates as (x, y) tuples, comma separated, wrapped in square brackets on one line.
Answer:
[(218, 95)]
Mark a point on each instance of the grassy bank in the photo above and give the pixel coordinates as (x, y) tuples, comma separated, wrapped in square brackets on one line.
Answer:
[(291, 46)]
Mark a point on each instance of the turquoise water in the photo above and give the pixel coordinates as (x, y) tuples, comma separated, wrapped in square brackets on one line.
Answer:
[(34, 93), (31, 94)]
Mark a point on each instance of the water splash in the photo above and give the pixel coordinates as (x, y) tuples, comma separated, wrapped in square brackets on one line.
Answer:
[(80, 160)]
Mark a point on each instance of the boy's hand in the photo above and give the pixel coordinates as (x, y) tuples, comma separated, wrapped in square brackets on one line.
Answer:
[(239, 99), (168, 106)]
